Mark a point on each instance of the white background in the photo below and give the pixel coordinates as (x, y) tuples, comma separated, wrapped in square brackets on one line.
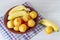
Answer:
[(50, 9)]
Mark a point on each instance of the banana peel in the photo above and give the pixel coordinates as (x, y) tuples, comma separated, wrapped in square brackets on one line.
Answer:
[(48, 23)]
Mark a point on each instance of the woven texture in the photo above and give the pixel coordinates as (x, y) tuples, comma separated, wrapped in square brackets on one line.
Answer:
[(11, 36)]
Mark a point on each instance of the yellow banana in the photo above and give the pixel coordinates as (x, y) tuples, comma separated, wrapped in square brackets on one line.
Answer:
[(17, 9), (18, 14), (48, 23)]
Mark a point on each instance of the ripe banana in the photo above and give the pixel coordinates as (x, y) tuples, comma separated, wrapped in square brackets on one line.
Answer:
[(17, 9), (48, 23), (18, 14)]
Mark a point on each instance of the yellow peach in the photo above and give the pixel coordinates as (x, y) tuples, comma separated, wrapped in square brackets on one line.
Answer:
[(10, 24), (33, 14), (31, 23), (16, 28), (49, 30), (26, 18), (22, 28), (17, 22)]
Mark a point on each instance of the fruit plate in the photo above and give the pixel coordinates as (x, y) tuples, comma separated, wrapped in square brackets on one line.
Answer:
[(30, 29)]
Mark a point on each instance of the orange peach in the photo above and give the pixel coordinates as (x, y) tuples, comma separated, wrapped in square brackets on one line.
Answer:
[(17, 22)]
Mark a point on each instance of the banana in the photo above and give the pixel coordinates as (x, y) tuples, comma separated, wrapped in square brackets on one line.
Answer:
[(17, 9), (48, 23), (18, 14)]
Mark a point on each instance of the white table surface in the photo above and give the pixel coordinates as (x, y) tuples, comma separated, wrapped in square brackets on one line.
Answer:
[(50, 9)]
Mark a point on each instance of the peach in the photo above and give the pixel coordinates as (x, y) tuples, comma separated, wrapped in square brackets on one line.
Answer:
[(26, 18), (17, 22), (22, 28), (49, 30), (31, 23), (33, 14), (16, 28), (10, 24)]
